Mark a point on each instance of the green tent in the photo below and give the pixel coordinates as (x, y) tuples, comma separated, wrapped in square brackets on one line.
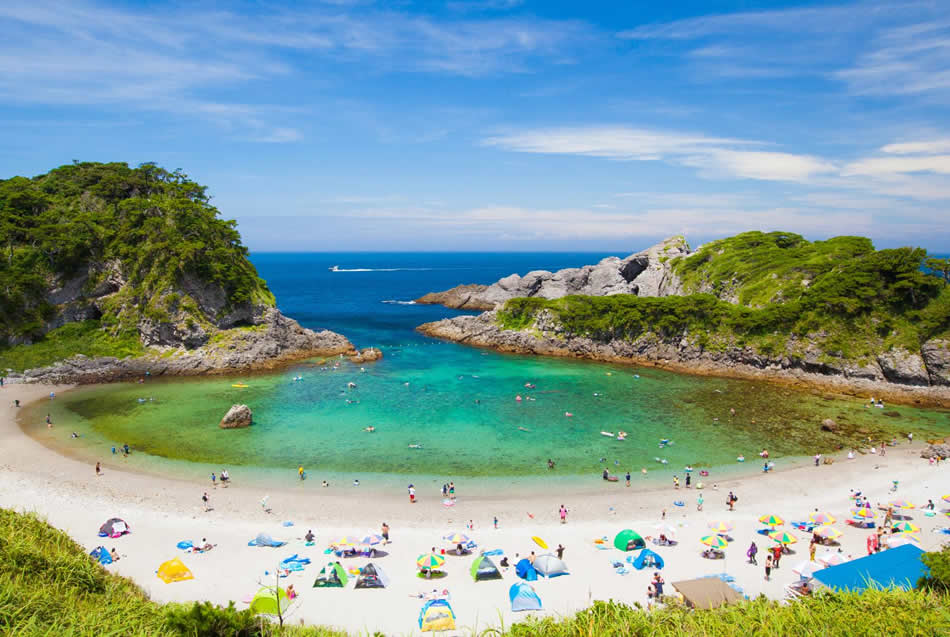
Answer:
[(266, 601), (484, 569), (628, 540), (332, 576)]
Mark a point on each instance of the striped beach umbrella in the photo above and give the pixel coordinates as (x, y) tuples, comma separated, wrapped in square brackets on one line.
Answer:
[(907, 527), (807, 568), (822, 518), (771, 520), (720, 526), (430, 561), (946, 498), (901, 503), (715, 541), (828, 532), (831, 559), (863, 513), (902, 539), (346, 540), (783, 537), (456, 538), (372, 540)]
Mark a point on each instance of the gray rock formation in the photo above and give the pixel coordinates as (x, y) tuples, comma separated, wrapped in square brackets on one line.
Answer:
[(366, 355), (277, 339), (646, 273), (829, 425), (900, 366), (936, 355), (237, 417), (936, 451)]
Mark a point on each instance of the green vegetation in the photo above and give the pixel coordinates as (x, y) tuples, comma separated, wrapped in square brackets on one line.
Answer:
[(852, 301), (157, 228), (86, 337)]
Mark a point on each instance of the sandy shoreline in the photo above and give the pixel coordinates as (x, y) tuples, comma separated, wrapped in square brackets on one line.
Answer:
[(162, 511)]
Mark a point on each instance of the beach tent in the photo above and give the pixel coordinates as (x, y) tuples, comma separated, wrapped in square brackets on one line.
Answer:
[(114, 527), (898, 567), (436, 614), (648, 558), (332, 576), (372, 576), (628, 540), (263, 539), (707, 592), (524, 570), (174, 571), (484, 569), (269, 601), (523, 597), (548, 565), (101, 555)]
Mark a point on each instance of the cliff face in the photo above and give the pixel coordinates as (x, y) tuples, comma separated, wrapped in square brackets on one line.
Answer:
[(646, 273)]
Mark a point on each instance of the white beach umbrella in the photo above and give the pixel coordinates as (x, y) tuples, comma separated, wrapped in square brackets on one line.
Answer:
[(807, 568), (902, 539), (666, 529), (831, 559)]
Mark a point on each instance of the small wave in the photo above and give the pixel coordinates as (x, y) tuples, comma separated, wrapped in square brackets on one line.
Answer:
[(394, 302), (335, 269)]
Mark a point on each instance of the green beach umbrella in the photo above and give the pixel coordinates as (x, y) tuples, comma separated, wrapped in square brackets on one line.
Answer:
[(771, 520), (907, 527), (430, 561), (783, 537), (864, 513), (715, 541), (720, 526), (822, 518)]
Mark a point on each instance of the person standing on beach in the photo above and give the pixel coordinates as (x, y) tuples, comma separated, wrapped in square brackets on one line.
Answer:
[(214, 480), (751, 553), (768, 567), (628, 477), (98, 469), (385, 533), (207, 501), (560, 551), (812, 547), (699, 502), (562, 512), (412, 494), (676, 482), (496, 521), (451, 490), (689, 478), (300, 472)]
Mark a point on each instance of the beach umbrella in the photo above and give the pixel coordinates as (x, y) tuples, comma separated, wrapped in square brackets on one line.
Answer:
[(831, 559), (783, 537), (828, 533), (863, 513), (715, 541), (666, 529), (822, 518), (346, 540), (430, 561), (807, 568), (907, 527), (901, 503), (457, 538), (720, 526), (371, 540), (946, 498), (771, 520), (902, 539)]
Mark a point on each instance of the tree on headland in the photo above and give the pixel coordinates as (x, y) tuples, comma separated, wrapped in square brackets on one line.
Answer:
[(940, 267)]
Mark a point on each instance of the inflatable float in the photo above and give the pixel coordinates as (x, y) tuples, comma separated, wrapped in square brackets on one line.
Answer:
[(607, 433), (240, 385), (539, 541)]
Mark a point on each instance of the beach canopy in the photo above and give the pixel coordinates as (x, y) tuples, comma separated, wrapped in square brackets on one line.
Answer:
[(333, 575), (436, 614), (484, 569), (648, 558), (429, 561), (899, 567), (525, 571), (174, 571), (114, 527), (263, 539), (720, 526), (372, 576), (715, 541), (101, 555), (548, 565), (783, 537), (523, 597), (828, 532), (628, 540), (822, 518), (706, 592), (771, 520), (270, 600)]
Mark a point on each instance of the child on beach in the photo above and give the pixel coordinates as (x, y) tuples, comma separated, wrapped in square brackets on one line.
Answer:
[(207, 501), (699, 502), (751, 553), (496, 521), (768, 567), (562, 512)]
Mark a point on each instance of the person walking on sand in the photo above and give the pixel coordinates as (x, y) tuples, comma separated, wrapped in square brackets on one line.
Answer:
[(689, 478), (496, 522), (207, 501), (676, 482), (412, 494), (451, 490), (812, 547), (699, 502), (562, 512), (560, 551), (385, 533), (768, 567), (300, 472), (628, 477), (751, 553), (98, 469), (214, 480)]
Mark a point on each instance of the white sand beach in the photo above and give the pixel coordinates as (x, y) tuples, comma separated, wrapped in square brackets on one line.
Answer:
[(161, 512)]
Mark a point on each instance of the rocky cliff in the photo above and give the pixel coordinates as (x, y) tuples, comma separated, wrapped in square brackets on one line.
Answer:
[(646, 273)]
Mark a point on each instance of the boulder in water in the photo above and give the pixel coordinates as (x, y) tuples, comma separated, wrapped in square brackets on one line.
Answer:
[(238, 416), (829, 425), (367, 355)]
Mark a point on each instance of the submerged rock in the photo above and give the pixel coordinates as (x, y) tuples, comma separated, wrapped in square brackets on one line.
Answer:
[(238, 416), (829, 425), (366, 355)]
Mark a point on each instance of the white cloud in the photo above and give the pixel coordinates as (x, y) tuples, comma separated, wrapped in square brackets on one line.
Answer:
[(921, 147), (878, 166)]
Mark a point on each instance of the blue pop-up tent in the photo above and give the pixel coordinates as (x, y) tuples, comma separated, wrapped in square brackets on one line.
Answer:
[(525, 571), (523, 597), (648, 558), (899, 567)]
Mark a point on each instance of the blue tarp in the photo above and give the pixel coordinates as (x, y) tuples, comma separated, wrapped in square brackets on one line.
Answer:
[(525, 571), (523, 597), (101, 554), (648, 558), (265, 540), (898, 567)]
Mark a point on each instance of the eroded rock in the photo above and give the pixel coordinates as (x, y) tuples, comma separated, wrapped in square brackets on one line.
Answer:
[(237, 417)]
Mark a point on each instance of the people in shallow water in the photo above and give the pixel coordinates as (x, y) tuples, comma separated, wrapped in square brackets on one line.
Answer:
[(550, 464)]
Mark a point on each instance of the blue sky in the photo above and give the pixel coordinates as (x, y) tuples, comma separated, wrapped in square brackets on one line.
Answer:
[(501, 124)]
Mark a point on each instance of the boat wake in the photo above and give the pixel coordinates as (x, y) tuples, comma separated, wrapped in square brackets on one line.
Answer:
[(337, 268), (394, 302)]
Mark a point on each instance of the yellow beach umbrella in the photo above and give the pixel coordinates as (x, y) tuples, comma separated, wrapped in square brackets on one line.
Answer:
[(771, 520), (430, 561), (720, 526), (346, 540), (863, 513), (901, 503), (783, 537), (828, 532), (901, 539), (715, 541), (946, 498), (822, 518), (456, 538)]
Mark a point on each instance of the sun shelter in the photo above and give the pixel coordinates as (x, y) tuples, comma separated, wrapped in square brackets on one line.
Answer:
[(548, 565), (436, 614), (372, 576), (174, 570), (484, 569), (628, 540), (707, 592), (523, 597), (525, 571), (648, 559), (270, 600), (899, 567), (333, 575), (101, 555), (263, 539), (114, 527)]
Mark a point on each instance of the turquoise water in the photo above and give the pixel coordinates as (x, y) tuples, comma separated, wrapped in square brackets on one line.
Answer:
[(458, 403)]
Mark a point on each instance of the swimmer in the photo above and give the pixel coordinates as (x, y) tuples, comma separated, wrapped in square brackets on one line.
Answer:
[(518, 398), (325, 484), (369, 429), (643, 470), (523, 429)]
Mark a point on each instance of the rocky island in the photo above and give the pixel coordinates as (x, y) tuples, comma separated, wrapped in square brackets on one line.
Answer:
[(835, 314), (112, 272)]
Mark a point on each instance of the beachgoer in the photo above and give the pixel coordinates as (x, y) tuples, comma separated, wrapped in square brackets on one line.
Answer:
[(214, 480), (300, 472), (627, 477), (114, 554), (325, 484), (651, 593), (562, 512), (225, 477), (658, 584), (560, 551), (688, 480), (812, 547), (207, 501), (606, 474), (496, 521), (98, 469), (356, 482), (309, 536), (550, 464), (412, 494), (48, 420), (930, 505), (776, 555), (910, 437), (676, 482), (531, 558), (291, 593), (768, 567), (16, 402), (817, 459), (663, 515), (385, 533), (751, 553), (445, 490), (471, 525), (699, 502), (452, 490), (731, 501)]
